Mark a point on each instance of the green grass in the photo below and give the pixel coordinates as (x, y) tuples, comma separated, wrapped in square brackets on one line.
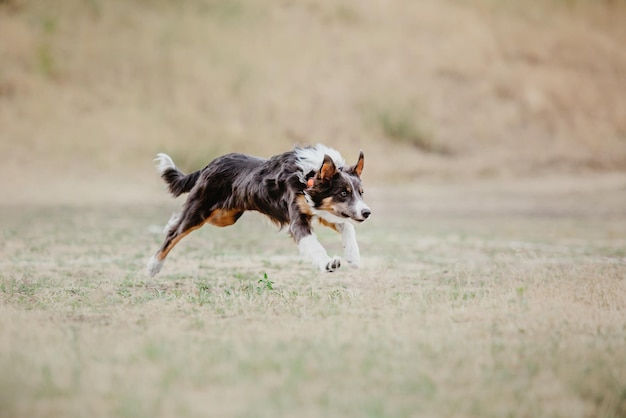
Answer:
[(450, 316)]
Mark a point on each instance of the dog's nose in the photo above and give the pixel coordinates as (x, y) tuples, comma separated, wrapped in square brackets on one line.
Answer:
[(366, 213)]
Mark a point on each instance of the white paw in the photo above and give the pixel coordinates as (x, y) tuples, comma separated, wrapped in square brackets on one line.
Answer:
[(352, 256), (154, 266), (350, 246), (354, 264), (333, 264)]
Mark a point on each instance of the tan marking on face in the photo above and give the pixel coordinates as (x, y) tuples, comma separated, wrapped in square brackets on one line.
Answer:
[(333, 207), (327, 204)]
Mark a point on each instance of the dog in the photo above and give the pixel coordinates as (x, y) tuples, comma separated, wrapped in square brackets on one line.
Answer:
[(292, 189)]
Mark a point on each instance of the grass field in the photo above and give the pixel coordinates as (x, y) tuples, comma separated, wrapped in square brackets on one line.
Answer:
[(493, 278), (474, 300)]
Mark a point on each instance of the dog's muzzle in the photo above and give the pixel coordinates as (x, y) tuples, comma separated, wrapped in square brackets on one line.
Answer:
[(359, 216)]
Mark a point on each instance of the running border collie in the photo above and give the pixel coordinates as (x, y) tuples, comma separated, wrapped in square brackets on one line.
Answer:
[(292, 189)]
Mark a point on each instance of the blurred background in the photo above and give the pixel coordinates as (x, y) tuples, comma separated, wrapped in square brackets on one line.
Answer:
[(91, 90)]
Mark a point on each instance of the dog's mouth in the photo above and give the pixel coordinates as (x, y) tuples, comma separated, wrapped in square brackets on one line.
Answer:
[(354, 218)]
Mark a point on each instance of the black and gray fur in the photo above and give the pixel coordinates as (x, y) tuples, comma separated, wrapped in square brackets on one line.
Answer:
[(291, 189)]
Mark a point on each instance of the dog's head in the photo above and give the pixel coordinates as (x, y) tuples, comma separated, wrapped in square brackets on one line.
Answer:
[(335, 194)]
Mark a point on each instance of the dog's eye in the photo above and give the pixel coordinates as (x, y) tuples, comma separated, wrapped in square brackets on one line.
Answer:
[(344, 193)]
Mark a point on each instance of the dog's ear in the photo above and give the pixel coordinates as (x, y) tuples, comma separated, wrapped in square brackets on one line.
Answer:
[(358, 167), (328, 169)]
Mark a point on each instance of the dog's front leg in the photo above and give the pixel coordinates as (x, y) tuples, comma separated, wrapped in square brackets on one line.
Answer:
[(310, 247), (350, 246)]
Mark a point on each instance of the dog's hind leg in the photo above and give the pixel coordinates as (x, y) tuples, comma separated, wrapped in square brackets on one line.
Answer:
[(224, 217), (173, 222), (180, 226), (176, 230), (348, 239)]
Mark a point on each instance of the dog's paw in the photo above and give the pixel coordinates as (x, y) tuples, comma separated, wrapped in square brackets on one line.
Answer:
[(352, 256), (355, 264), (154, 266), (333, 264)]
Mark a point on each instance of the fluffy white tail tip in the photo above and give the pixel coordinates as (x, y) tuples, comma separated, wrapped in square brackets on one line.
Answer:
[(163, 162)]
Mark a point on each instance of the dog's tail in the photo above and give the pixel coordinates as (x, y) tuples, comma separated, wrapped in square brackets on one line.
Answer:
[(177, 181)]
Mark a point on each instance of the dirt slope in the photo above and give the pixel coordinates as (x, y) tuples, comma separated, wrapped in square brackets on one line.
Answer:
[(89, 91)]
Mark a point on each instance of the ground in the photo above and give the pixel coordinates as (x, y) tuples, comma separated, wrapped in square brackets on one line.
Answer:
[(474, 299)]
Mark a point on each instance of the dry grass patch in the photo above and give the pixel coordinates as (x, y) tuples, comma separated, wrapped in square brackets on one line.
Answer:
[(462, 308)]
